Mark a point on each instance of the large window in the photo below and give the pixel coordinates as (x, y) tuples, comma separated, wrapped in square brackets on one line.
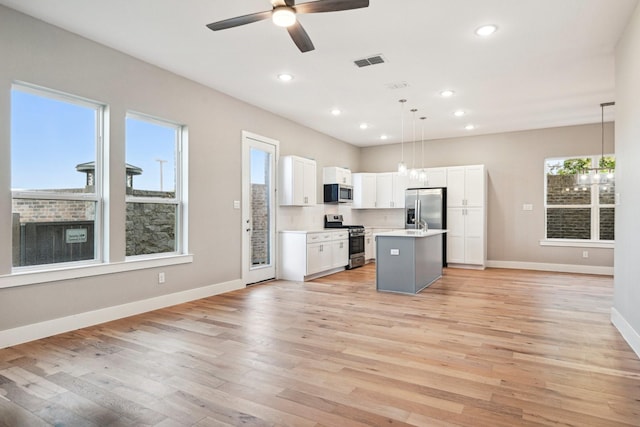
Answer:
[(154, 186), (578, 208), (55, 177)]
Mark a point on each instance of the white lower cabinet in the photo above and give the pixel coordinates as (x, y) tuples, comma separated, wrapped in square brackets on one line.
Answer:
[(307, 254), (465, 238), (369, 245)]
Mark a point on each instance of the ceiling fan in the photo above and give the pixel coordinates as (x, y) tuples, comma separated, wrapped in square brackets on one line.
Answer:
[(283, 14)]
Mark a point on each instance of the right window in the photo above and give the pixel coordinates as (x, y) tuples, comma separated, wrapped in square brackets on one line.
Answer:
[(154, 186), (580, 206)]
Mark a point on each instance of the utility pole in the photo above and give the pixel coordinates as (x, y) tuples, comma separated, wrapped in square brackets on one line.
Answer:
[(161, 162)]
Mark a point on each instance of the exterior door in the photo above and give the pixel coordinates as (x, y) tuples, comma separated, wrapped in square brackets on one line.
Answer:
[(259, 156)]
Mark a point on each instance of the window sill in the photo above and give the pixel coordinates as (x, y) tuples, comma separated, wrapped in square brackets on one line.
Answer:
[(53, 274), (578, 244)]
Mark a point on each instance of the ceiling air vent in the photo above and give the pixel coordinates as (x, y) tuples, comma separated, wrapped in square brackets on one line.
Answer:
[(372, 60)]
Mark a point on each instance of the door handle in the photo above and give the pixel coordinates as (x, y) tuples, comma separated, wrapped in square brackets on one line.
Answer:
[(248, 229)]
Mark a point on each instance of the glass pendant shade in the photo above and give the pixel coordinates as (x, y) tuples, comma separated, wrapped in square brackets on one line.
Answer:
[(422, 175), (402, 168)]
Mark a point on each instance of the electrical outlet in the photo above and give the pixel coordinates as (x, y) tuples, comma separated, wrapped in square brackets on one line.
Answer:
[(395, 251), (585, 254), (160, 277)]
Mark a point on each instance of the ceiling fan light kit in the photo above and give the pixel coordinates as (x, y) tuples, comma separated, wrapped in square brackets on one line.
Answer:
[(283, 14)]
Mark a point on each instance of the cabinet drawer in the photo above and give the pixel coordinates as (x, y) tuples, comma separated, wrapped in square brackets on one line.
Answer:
[(319, 237), (340, 235)]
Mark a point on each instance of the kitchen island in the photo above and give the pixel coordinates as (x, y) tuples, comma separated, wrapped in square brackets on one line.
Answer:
[(408, 261)]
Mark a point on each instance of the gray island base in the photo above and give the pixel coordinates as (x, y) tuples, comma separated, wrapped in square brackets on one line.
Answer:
[(408, 261)]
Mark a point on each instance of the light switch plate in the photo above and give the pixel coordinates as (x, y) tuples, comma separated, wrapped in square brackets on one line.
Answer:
[(527, 207), (395, 251), (236, 204)]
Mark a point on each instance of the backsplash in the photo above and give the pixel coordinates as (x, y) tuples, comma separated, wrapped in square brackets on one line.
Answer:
[(312, 217)]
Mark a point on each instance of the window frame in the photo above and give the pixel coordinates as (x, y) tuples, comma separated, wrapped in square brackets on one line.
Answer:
[(180, 186), (594, 206), (98, 194)]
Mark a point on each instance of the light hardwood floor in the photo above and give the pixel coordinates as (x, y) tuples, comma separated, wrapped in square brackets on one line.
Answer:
[(477, 348)]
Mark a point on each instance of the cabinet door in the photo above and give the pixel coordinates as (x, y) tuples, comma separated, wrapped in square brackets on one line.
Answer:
[(309, 182), (474, 185), (368, 246), (455, 186), (384, 190), (364, 191), (436, 177), (314, 258), (297, 181), (456, 235), (474, 235), (400, 184), (339, 253)]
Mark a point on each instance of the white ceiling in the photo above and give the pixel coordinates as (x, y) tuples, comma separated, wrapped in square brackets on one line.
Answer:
[(550, 64)]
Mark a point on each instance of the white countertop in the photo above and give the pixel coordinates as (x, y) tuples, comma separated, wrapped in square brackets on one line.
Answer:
[(411, 233)]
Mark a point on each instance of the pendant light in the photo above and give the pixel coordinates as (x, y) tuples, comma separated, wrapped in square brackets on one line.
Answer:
[(402, 167), (598, 175), (422, 175), (413, 173)]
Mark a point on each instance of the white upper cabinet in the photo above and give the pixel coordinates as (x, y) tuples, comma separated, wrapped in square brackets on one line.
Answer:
[(336, 175), (364, 190), (297, 181), (466, 185), (436, 177), (390, 189)]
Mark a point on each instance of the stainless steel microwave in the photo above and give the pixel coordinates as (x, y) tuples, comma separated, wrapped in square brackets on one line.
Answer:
[(338, 193)]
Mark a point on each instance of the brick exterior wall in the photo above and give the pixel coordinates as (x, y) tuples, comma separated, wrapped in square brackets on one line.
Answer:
[(260, 219), (575, 223)]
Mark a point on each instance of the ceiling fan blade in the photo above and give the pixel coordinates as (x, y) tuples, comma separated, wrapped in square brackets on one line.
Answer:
[(300, 37), (331, 5), (239, 20), (290, 3)]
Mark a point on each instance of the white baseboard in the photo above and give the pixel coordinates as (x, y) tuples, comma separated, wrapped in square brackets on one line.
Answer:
[(628, 333), (48, 328), (561, 268)]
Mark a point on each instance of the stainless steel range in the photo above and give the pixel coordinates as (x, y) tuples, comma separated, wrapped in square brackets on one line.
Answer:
[(356, 239)]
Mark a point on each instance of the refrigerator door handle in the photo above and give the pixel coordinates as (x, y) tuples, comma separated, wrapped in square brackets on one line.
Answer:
[(418, 213)]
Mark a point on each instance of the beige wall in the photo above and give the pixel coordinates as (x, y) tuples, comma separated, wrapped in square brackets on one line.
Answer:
[(515, 165), (44, 55), (627, 265)]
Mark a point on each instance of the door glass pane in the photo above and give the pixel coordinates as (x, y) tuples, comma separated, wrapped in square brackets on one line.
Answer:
[(260, 207)]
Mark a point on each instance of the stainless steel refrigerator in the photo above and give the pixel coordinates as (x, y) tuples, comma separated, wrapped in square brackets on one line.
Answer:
[(427, 206)]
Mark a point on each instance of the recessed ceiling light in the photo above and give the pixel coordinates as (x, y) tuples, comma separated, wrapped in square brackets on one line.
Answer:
[(469, 127), (336, 112), (447, 93), (383, 137), (284, 77), (363, 125), (459, 113), (486, 30)]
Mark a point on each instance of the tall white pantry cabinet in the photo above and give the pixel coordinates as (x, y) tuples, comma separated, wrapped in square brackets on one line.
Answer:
[(466, 215)]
